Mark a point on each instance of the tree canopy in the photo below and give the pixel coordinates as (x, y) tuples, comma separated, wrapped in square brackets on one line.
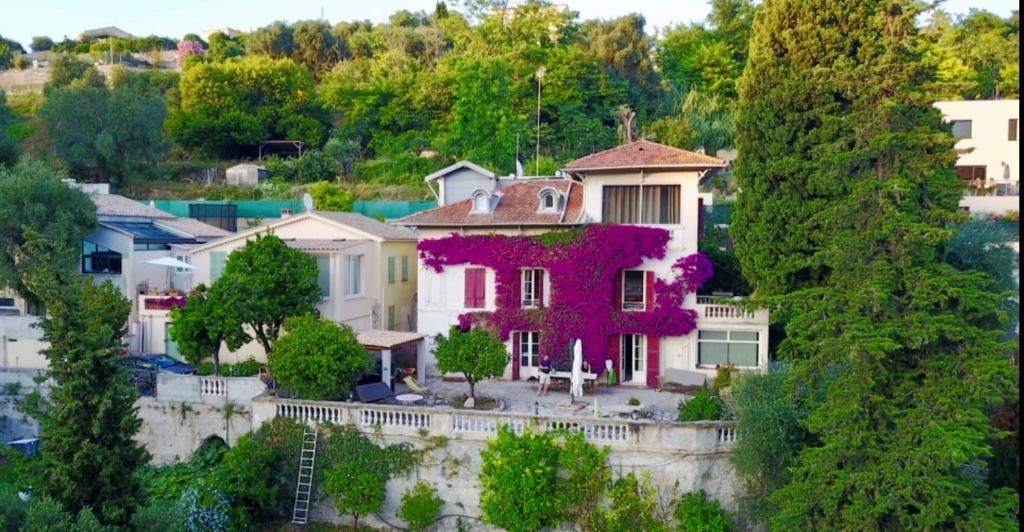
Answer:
[(263, 284), (847, 193), (474, 353), (318, 359)]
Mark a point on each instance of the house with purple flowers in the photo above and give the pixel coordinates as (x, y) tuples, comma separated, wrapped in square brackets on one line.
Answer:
[(606, 252)]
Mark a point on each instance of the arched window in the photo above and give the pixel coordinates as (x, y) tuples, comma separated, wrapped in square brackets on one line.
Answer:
[(548, 200), (481, 201)]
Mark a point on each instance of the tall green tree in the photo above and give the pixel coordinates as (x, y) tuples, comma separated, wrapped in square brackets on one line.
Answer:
[(40, 207), (263, 284), (318, 359), (90, 419), (9, 148), (227, 108), (847, 186), (201, 326), (103, 134)]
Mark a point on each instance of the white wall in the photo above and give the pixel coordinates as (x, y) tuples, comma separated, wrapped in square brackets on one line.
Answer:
[(989, 146)]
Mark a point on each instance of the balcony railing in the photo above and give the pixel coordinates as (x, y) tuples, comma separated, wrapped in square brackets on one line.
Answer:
[(163, 302), (724, 309)]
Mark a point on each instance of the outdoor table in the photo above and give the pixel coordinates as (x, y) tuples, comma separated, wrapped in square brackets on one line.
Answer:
[(409, 398)]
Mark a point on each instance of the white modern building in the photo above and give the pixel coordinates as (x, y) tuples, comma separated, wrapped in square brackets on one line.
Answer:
[(989, 162), (130, 236), (641, 183)]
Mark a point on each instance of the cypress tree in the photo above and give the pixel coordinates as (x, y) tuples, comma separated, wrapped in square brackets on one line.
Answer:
[(847, 191)]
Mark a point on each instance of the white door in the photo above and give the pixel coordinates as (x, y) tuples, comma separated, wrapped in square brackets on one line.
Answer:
[(529, 354), (633, 358)]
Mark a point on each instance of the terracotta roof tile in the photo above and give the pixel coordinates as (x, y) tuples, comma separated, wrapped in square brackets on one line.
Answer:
[(644, 154), (518, 204)]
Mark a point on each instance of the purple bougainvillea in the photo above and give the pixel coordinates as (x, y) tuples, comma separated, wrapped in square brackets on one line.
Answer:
[(189, 47), (583, 273)]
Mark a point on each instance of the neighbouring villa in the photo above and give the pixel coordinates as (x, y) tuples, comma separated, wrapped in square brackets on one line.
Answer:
[(606, 253), (987, 138)]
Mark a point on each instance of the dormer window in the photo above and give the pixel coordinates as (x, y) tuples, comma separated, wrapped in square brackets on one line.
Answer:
[(481, 202), (549, 200)]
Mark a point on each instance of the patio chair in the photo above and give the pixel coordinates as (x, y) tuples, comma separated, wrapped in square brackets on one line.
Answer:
[(416, 386)]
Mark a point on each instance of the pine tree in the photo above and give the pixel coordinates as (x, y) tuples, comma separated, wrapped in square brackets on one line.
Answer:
[(90, 417), (847, 189)]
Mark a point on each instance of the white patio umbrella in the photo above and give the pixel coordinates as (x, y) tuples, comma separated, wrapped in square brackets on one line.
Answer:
[(170, 262), (576, 379)]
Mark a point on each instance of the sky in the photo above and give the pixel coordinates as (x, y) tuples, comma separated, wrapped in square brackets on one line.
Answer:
[(23, 19)]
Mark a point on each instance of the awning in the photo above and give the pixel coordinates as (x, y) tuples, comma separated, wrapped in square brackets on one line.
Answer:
[(380, 339), (171, 262)]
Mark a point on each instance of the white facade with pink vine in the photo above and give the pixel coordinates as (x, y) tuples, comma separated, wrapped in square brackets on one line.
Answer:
[(638, 184)]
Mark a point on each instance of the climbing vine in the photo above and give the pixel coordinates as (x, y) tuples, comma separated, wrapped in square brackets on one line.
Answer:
[(583, 265)]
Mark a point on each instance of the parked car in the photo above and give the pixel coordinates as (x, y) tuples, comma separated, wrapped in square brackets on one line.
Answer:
[(168, 364)]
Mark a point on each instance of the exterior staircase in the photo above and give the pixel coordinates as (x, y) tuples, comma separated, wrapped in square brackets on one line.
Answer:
[(304, 485)]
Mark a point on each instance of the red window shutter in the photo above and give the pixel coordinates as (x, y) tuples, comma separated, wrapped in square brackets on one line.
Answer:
[(540, 287), (481, 294), (474, 287), (700, 216), (515, 356), (613, 355), (517, 290), (649, 294), (653, 361), (468, 288), (617, 291)]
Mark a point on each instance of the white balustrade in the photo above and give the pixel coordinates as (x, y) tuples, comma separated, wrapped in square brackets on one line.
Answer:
[(215, 386), (726, 312), (726, 434), (393, 418), (403, 420)]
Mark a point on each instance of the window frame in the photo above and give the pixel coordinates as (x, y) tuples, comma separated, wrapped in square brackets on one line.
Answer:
[(392, 274), (530, 277), (671, 193), (636, 359), (1012, 127), (351, 280), (729, 341), (970, 128), (627, 306), (103, 252), (405, 268), (477, 197), (533, 354), (325, 295)]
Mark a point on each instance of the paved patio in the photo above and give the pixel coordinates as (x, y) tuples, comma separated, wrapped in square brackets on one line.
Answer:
[(521, 397)]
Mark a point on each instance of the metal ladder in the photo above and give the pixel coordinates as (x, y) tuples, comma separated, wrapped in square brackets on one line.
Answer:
[(304, 485)]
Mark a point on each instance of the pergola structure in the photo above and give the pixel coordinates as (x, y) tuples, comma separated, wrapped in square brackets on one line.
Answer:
[(400, 352), (287, 147)]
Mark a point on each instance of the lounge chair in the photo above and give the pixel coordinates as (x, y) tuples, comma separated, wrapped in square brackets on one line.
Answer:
[(416, 387)]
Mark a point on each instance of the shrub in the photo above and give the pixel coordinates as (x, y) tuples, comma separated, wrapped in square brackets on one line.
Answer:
[(633, 401), (519, 481), (318, 359), (584, 475), (12, 508), (356, 471), (697, 513), (420, 506), (163, 515), (633, 507), (474, 353), (246, 477), (206, 509), (702, 406), (723, 378), (329, 196), (45, 514)]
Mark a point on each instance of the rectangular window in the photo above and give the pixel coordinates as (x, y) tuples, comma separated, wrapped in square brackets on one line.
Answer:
[(661, 204), (475, 282), (391, 318), (633, 290), (405, 268), (100, 259), (34, 307), (323, 277), (529, 349), (727, 347), (970, 173), (621, 204), (391, 270), (1012, 133), (961, 129), (6, 301), (217, 261), (150, 247), (435, 288), (531, 287), (354, 280)]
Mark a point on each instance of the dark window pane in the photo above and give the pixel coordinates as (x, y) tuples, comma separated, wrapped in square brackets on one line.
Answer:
[(961, 129)]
